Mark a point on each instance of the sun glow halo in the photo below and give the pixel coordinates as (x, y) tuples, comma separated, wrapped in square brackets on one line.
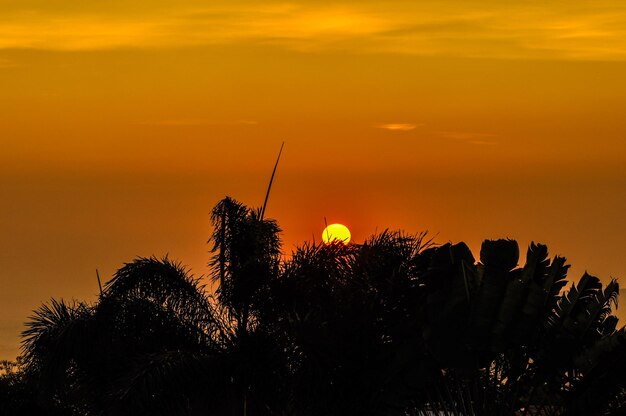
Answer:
[(335, 232)]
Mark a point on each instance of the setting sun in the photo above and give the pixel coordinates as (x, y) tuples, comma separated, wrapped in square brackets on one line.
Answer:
[(336, 232)]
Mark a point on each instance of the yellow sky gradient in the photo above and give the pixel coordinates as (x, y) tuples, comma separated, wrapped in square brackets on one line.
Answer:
[(123, 122)]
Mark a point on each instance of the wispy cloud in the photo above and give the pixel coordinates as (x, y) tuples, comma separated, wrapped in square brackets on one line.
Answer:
[(572, 30), (399, 126), (479, 139), (300, 27)]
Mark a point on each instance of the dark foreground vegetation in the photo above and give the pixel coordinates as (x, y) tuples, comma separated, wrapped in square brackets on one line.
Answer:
[(393, 326)]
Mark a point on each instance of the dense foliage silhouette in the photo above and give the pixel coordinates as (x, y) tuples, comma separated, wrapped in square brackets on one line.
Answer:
[(394, 326)]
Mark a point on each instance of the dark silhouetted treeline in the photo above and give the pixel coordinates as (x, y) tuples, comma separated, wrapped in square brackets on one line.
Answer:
[(393, 326)]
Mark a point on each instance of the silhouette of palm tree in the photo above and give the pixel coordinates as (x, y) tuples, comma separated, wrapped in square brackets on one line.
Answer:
[(156, 342), (504, 340), (246, 259), (393, 326), (152, 323)]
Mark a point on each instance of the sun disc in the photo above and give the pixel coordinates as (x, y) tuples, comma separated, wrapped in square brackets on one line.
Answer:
[(336, 232)]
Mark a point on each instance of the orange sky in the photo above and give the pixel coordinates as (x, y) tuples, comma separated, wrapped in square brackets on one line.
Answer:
[(122, 125)]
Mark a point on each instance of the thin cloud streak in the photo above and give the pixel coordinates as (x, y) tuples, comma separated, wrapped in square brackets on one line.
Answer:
[(479, 139), (399, 126), (528, 31)]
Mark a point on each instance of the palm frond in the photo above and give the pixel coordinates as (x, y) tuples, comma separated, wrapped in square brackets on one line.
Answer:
[(577, 296), (497, 258), (556, 279), (387, 257), (448, 281), (246, 257), (56, 335), (500, 254), (516, 294), (51, 327), (166, 283), (596, 311)]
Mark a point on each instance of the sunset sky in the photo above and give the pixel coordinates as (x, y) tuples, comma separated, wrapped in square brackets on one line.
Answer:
[(123, 122)]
